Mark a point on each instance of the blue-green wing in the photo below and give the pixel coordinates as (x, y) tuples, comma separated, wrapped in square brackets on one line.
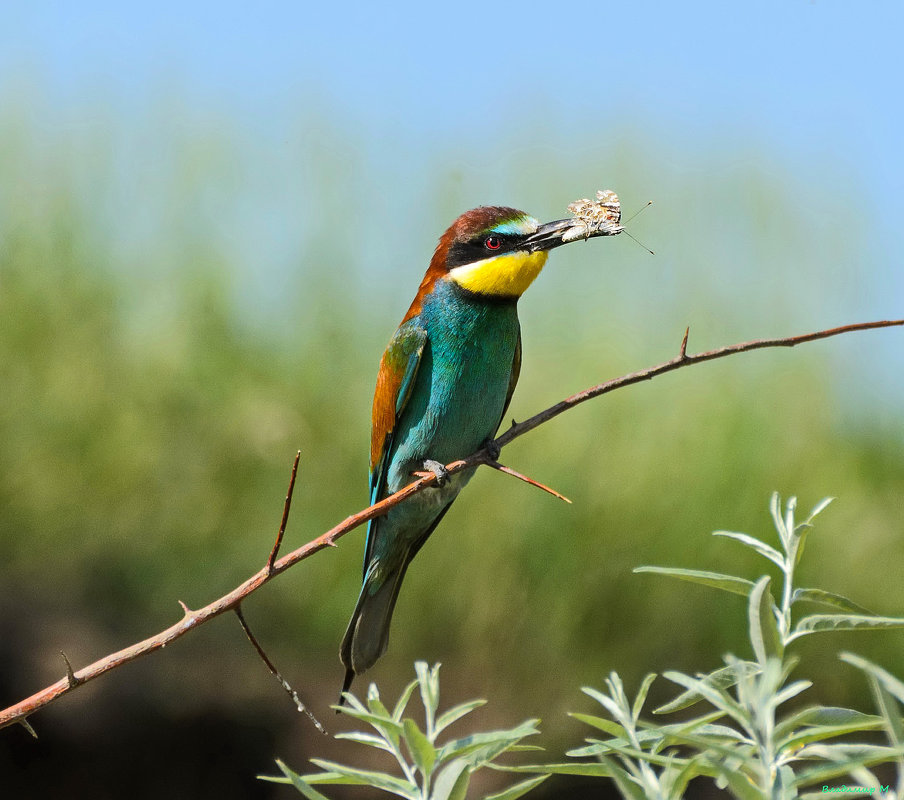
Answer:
[(395, 381)]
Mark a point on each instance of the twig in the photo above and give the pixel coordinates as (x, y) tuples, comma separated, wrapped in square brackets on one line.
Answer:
[(17, 713), (509, 471), (681, 360), (274, 671), (285, 517)]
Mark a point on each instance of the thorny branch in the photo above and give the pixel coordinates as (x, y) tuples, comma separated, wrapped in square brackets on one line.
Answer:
[(19, 712)]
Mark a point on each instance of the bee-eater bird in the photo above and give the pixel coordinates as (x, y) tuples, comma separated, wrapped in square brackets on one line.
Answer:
[(444, 384)]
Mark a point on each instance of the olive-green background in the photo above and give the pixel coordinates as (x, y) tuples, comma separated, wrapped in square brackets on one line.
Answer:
[(187, 299)]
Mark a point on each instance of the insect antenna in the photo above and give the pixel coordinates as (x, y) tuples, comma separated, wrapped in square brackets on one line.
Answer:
[(642, 208), (637, 242)]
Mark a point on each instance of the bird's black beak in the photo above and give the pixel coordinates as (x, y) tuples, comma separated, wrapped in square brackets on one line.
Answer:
[(563, 231)]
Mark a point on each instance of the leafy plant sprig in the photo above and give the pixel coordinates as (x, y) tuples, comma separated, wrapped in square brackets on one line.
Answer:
[(429, 770), (743, 742), (773, 637)]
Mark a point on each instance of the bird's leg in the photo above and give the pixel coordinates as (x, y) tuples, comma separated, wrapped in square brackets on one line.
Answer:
[(493, 449), (435, 469)]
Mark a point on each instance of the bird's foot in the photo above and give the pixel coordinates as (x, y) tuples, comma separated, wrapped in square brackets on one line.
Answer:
[(435, 469), (493, 449)]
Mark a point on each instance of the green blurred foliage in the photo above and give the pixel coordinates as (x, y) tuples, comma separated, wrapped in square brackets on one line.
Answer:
[(156, 383)]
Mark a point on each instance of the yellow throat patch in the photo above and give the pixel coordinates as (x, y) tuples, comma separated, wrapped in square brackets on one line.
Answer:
[(506, 275)]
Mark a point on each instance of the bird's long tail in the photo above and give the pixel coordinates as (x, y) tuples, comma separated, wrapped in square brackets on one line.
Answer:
[(367, 634)]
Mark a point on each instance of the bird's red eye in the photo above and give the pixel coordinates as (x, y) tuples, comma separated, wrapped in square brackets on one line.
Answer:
[(493, 243)]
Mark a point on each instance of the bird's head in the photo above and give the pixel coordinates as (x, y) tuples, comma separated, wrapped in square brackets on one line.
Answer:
[(498, 251)]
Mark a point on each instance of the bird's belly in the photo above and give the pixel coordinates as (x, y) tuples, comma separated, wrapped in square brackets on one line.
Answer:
[(458, 398)]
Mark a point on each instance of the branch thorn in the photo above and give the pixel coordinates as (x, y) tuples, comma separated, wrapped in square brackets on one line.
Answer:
[(23, 721), (70, 675), (185, 608), (683, 354)]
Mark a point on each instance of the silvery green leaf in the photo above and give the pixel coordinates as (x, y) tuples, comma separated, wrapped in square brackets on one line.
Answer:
[(642, 737), (627, 785), (721, 731), (714, 694), (653, 758), (419, 746), (764, 634), (819, 507), (608, 703), (761, 547), (741, 752), (518, 790), (591, 769), (887, 689), (790, 508), (389, 728), (605, 768), (821, 623), (889, 681), (890, 712), (495, 741), (298, 782), (641, 697), (866, 778), (588, 751), (453, 714), (797, 739), (452, 781), (370, 739), (715, 580), (830, 717), (676, 780), (841, 760), (374, 703), (402, 704), (482, 756), (786, 790), (803, 529), (352, 703), (721, 678), (775, 509), (688, 725), (738, 783), (340, 774), (603, 724), (830, 599), (783, 695), (428, 680)]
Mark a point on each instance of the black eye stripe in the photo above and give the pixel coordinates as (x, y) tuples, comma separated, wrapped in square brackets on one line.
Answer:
[(475, 249)]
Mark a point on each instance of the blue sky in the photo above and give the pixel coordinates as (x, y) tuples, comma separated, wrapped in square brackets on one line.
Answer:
[(817, 85), (792, 72)]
